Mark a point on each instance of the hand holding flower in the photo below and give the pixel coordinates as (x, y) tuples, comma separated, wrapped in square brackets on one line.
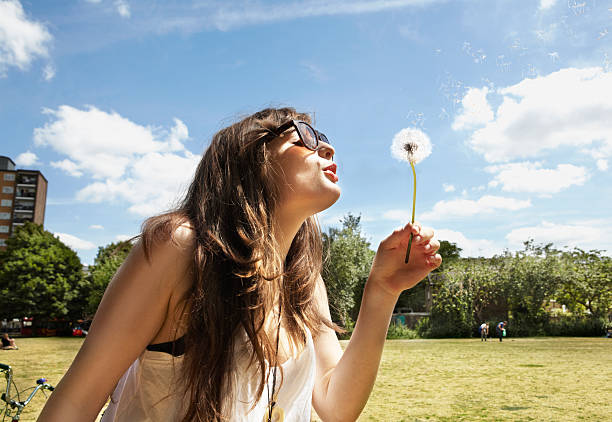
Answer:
[(413, 146), (390, 272)]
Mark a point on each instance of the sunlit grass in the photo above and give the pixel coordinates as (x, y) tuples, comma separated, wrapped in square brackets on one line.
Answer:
[(36, 358), (539, 379)]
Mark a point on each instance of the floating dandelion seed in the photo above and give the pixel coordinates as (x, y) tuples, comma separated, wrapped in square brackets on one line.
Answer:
[(411, 145)]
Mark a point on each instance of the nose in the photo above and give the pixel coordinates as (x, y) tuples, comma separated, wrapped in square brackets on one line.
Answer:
[(326, 151)]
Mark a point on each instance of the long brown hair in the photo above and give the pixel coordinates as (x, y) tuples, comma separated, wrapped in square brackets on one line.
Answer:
[(237, 269)]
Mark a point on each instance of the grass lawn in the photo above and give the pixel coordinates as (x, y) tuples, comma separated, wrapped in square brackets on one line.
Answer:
[(539, 379)]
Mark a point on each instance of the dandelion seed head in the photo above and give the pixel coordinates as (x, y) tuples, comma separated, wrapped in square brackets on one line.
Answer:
[(411, 145)]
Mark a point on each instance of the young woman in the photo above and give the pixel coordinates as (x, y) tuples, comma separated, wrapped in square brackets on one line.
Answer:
[(8, 343), (220, 313)]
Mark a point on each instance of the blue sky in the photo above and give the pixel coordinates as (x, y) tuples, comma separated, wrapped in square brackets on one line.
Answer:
[(115, 101)]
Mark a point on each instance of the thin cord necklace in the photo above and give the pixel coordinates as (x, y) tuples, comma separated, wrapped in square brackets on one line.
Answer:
[(275, 413)]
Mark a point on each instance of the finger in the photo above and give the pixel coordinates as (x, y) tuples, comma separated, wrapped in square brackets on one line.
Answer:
[(434, 261), (426, 235), (395, 239), (432, 247)]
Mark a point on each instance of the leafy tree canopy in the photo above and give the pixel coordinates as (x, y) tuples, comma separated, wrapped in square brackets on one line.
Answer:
[(40, 276), (347, 263), (107, 262)]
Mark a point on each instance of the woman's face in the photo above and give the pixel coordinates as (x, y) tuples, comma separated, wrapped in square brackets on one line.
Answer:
[(307, 179)]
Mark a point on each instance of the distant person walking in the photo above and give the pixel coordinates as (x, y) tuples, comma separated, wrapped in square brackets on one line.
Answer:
[(484, 331), (8, 343), (500, 330)]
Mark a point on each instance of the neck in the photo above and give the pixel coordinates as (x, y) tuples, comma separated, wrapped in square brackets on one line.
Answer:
[(286, 226)]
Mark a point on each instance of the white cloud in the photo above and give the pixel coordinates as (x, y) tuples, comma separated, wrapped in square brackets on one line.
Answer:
[(460, 208), (74, 242), (592, 234), (26, 159), (251, 13), (602, 164), (397, 215), (145, 166), (470, 247), (123, 8), (48, 72), (569, 108), (96, 227), (123, 237), (21, 40), (448, 188), (103, 143), (530, 177), (475, 111), (547, 4), (68, 166)]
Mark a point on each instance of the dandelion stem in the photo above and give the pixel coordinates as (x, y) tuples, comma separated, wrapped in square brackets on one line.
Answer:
[(413, 208)]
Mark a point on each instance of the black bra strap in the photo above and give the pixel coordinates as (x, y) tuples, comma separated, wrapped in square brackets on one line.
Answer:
[(174, 348)]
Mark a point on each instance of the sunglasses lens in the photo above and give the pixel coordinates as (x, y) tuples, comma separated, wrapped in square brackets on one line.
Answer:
[(324, 138), (308, 136)]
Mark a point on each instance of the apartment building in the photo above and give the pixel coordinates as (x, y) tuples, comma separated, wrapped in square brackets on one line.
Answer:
[(23, 196)]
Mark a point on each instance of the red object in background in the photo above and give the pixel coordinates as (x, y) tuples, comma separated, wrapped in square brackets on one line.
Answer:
[(26, 327), (77, 332)]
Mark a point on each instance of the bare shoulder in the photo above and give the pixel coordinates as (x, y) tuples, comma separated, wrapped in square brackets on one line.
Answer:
[(172, 251), (184, 235)]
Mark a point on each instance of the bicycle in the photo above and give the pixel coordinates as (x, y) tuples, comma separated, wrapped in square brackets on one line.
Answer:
[(13, 408)]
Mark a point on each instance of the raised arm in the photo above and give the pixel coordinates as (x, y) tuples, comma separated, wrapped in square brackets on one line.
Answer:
[(131, 313), (345, 381)]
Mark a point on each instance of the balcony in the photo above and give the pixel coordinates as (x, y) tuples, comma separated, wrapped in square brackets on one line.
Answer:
[(26, 180), (25, 195), (24, 207), (17, 221)]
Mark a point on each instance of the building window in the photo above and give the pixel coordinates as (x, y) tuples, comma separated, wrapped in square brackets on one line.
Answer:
[(5, 215), (7, 189), (6, 203), (2, 242), (26, 179), (4, 229), (9, 176)]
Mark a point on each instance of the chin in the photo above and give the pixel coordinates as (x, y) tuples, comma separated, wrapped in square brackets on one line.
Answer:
[(329, 198)]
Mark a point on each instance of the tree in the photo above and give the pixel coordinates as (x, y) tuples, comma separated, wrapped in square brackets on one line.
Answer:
[(449, 252), (106, 263), (346, 267), (533, 279), (39, 276), (587, 282)]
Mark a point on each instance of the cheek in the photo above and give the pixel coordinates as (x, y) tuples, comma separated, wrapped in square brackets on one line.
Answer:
[(295, 167)]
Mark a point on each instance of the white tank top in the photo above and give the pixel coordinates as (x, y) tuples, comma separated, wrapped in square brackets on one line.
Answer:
[(146, 391)]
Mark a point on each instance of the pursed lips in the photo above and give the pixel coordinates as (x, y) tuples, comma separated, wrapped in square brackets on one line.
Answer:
[(330, 171)]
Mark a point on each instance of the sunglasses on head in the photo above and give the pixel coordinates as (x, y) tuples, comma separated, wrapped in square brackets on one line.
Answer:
[(309, 136)]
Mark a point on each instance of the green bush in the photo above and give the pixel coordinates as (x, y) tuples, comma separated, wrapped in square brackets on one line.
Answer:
[(451, 314), (422, 327), (576, 326), (527, 325), (400, 331)]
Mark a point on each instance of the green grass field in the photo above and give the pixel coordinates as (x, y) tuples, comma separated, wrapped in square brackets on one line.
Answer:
[(533, 379)]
